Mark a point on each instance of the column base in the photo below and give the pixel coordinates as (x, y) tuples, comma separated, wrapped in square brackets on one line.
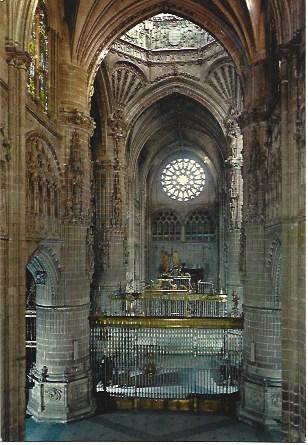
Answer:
[(261, 402), (61, 401)]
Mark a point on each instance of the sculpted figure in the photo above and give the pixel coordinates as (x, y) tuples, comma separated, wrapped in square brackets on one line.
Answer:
[(164, 261)]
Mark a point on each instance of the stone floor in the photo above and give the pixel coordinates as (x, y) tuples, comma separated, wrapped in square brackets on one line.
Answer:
[(149, 426)]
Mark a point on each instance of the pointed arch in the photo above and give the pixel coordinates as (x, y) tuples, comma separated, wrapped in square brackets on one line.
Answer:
[(45, 269)]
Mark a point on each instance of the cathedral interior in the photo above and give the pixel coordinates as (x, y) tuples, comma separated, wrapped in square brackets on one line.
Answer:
[(152, 210)]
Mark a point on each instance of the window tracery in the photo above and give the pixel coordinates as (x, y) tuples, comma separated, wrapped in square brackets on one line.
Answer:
[(183, 179), (38, 50), (198, 225), (166, 226)]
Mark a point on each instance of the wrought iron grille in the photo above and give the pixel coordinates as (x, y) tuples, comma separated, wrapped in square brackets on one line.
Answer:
[(166, 359)]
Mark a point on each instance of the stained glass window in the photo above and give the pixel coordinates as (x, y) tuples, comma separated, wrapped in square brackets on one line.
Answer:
[(198, 225), (38, 50), (166, 226), (183, 179)]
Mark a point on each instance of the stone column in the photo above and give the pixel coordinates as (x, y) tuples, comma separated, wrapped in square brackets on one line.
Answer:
[(12, 252), (292, 70), (62, 380), (112, 213), (261, 383)]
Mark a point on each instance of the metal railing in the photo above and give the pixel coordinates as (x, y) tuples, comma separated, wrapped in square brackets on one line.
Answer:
[(30, 345), (162, 303), (164, 358)]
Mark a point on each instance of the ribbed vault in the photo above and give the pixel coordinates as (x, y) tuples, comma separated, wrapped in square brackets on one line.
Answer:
[(175, 123)]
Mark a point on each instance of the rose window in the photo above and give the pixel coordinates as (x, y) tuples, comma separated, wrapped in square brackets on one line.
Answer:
[(183, 179)]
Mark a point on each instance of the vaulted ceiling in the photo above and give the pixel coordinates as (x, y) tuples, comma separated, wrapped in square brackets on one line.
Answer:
[(176, 124), (238, 24)]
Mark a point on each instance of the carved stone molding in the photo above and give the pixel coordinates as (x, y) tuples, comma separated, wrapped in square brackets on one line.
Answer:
[(224, 81), (16, 58), (234, 162), (74, 181), (90, 252), (5, 146), (242, 255), (117, 124), (78, 119), (103, 254), (54, 394), (43, 188), (163, 35), (166, 58), (175, 73), (116, 216)]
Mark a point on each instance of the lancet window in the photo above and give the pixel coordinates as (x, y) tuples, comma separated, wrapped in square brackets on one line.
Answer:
[(166, 226), (38, 50), (198, 225)]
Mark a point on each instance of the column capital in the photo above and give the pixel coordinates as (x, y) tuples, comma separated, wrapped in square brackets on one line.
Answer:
[(16, 58)]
